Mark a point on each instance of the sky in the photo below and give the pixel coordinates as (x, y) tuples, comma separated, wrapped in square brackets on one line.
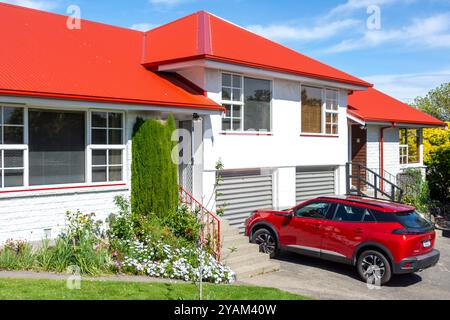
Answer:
[(401, 46)]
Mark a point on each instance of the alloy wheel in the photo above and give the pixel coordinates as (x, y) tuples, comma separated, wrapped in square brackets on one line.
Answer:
[(373, 267), (266, 243)]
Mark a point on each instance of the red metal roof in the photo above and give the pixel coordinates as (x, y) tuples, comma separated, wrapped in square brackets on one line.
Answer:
[(373, 105), (41, 57), (204, 36)]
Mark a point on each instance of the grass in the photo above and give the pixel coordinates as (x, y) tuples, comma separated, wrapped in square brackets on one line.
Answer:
[(40, 289)]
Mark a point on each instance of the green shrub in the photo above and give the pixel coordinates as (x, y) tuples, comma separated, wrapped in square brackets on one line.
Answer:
[(183, 224), (16, 255), (416, 190), (154, 174), (438, 174)]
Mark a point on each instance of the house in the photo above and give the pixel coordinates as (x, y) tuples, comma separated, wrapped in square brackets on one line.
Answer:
[(276, 119)]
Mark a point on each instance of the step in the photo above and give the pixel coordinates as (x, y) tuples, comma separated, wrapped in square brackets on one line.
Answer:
[(256, 269), (251, 258), (234, 240), (239, 250)]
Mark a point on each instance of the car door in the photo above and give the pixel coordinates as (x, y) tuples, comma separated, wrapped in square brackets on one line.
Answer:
[(345, 231), (303, 232)]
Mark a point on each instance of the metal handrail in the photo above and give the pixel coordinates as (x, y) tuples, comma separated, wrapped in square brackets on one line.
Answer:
[(394, 188), (210, 222)]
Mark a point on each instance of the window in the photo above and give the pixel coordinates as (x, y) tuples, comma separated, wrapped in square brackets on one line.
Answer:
[(350, 213), (409, 140), (319, 110), (316, 210), (57, 147), (247, 103), (108, 148), (11, 168), (12, 147), (331, 112), (45, 147)]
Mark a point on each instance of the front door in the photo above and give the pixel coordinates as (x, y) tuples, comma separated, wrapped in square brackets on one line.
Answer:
[(359, 153)]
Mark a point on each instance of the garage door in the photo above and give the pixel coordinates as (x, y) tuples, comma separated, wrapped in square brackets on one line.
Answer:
[(314, 182), (240, 193)]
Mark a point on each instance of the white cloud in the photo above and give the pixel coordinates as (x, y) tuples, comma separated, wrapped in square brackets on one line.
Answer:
[(406, 87), (431, 32), (34, 4), (142, 26), (294, 32)]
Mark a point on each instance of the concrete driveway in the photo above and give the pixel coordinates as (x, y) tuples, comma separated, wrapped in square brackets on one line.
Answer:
[(327, 280)]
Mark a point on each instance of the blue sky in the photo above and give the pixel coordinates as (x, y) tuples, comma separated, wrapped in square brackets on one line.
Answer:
[(405, 55)]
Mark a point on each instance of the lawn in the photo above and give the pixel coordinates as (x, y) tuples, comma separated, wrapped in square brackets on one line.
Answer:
[(39, 289)]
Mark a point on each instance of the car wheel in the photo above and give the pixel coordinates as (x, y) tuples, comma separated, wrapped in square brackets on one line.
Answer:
[(374, 268), (266, 241)]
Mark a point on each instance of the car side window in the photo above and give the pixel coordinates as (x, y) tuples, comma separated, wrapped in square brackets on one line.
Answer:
[(349, 213), (368, 217), (317, 210)]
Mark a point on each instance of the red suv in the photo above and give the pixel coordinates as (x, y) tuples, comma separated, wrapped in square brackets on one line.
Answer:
[(380, 238)]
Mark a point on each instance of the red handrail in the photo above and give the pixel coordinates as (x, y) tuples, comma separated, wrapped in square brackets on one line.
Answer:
[(210, 222)]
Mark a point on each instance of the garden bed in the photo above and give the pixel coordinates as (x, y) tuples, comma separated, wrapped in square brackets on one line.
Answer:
[(145, 246)]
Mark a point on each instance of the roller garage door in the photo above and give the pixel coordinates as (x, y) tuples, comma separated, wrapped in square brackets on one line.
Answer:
[(314, 182), (240, 193)]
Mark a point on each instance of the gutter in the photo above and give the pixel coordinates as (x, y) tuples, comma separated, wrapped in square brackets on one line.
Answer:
[(393, 125)]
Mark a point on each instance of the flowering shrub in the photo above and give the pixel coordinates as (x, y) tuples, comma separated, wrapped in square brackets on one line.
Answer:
[(156, 259)]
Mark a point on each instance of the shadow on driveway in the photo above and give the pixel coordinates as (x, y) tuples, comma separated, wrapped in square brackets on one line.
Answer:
[(294, 260)]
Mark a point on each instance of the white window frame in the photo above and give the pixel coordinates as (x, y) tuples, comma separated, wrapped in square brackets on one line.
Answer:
[(107, 147), (324, 112), (331, 112), (404, 148), (241, 103), (88, 151)]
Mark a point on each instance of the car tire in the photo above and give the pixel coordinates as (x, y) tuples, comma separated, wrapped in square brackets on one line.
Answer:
[(267, 242), (374, 268)]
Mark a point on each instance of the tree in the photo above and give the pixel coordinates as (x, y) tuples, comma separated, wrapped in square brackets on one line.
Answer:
[(436, 102), (438, 175), (154, 188)]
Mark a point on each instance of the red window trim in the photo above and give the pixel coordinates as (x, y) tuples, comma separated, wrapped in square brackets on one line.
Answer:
[(319, 135), (64, 188), (268, 134)]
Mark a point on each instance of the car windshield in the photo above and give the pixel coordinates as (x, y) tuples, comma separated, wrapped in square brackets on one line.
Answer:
[(412, 219)]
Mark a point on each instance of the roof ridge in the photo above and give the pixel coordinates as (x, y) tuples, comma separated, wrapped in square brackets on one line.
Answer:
[(204, 33)]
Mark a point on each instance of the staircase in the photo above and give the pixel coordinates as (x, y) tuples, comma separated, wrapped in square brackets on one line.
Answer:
[(362, 181), (242, 256)]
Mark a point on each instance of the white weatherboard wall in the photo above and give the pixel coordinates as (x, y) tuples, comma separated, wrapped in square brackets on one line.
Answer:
[(26, 215), (391, 149), (283, 151)]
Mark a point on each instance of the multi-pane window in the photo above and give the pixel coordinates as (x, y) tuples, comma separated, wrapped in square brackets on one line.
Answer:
[(108, 147), (12, 168), (45, 147), (12, 147), (247, 103), (409, 141), (320, 112), (331, 111), (11, 125)]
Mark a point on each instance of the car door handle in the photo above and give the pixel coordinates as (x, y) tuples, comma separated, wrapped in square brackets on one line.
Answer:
[(316, 226), (358, 230)]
